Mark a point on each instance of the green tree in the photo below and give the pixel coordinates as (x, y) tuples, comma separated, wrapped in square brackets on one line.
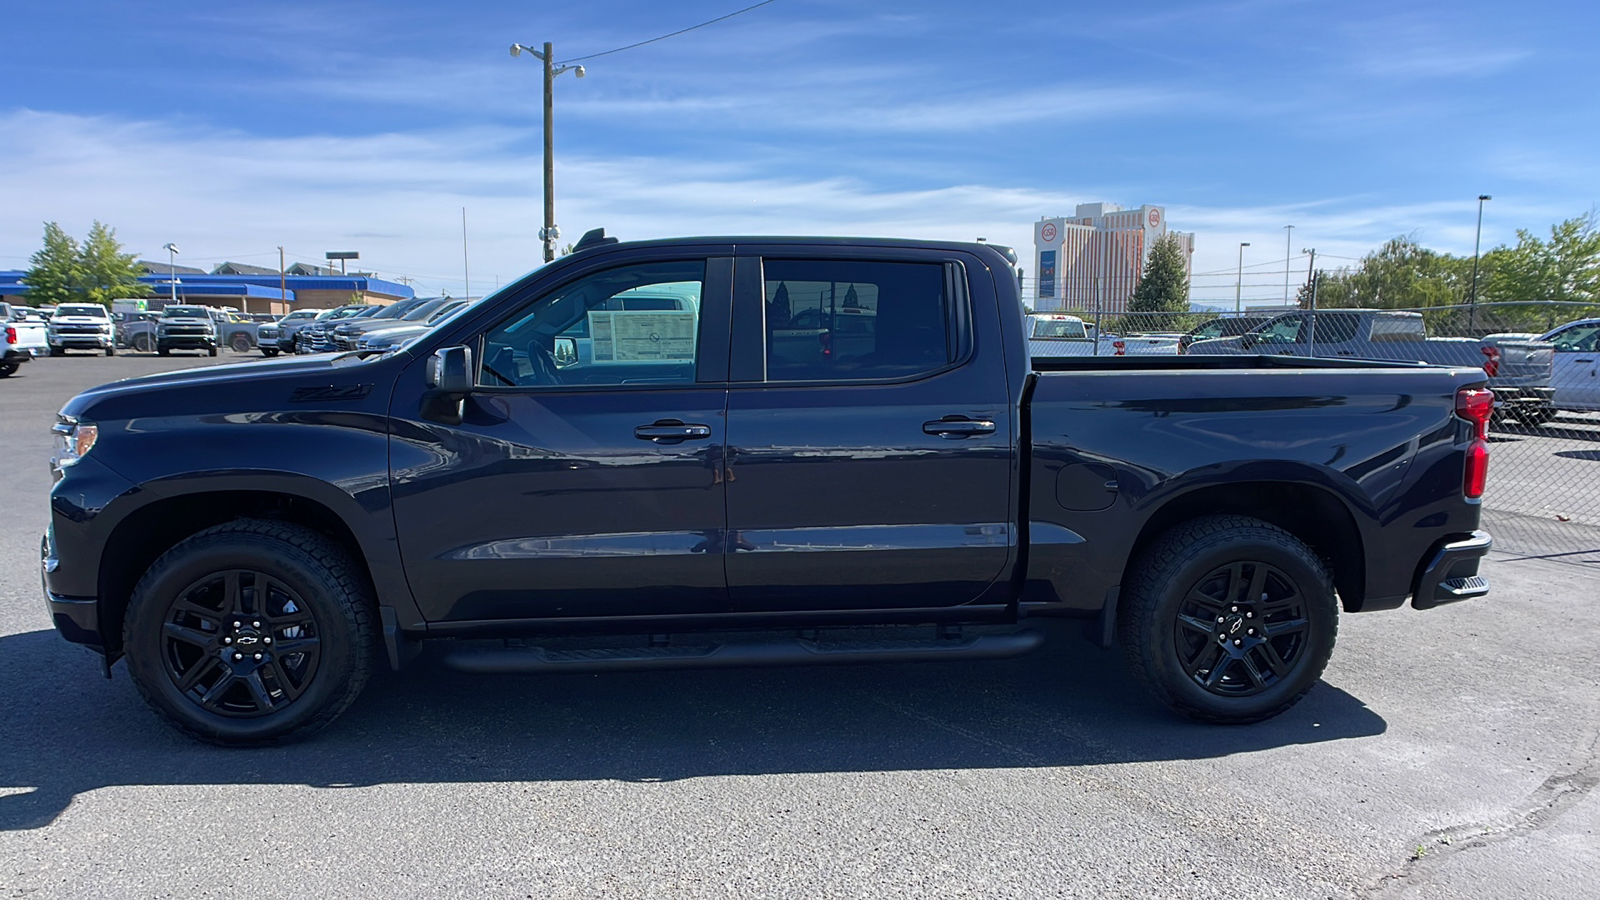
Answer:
[(1161, 299), (55, 270), (105, 272), (1565, 268), (1164, 287), (1401, 274)]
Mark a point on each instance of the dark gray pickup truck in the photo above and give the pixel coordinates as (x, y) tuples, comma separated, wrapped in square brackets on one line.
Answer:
[(791, 450)]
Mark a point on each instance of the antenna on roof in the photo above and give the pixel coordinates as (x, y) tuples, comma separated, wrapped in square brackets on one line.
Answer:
[(595, 238)]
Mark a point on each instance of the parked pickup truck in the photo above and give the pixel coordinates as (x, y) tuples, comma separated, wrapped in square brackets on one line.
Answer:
[(1519, 369), (81, 326), (23, 339), (682, 497)]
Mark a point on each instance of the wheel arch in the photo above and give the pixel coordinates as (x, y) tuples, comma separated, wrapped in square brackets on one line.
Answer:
[(1313, 514), (146, 533)]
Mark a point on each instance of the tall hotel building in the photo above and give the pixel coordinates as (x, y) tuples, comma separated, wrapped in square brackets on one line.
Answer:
[(1094, 258)]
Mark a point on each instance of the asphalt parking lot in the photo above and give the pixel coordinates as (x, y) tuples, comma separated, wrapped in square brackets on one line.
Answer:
[(1446, 754)]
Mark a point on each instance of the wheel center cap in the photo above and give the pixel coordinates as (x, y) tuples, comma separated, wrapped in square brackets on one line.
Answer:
[(1234, 623)]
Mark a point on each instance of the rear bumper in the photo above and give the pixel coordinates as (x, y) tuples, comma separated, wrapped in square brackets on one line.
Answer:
[(1451, 573), (24, 354), (1520, 396)]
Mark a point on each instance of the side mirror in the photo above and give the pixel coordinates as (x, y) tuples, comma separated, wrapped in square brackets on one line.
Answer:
[(566, 352), (449, 381), (450, 372)]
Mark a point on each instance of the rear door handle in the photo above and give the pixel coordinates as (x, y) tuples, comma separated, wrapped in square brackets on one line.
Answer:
[(671, 431), (954, 427)]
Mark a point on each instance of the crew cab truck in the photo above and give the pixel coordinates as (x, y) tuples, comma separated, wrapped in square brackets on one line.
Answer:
[(683, 497), (186, 328)]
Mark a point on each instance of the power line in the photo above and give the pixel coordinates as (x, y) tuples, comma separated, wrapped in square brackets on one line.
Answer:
[(665, 36)]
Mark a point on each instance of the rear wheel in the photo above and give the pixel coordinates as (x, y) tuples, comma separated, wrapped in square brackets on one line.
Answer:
[(250, 632), (241, 343), (1229, 619)]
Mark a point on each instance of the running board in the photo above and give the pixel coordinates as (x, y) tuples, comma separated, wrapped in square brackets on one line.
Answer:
[(789, 652)]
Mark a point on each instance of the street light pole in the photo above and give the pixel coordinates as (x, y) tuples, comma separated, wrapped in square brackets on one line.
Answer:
[(1288, 257), (1238, 286), (1472, 298), (549, 234), (172, 269)]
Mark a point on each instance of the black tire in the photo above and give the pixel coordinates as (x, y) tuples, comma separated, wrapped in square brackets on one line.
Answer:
[(163, 351), (208, 606), (1192, 595), (269, 351), (211, 351), (111, 351), (8, 369), (58, 351), (141, 343), (241, 343)]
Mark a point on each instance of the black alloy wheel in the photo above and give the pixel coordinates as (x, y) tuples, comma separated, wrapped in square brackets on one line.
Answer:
[(1228, 619), (240, 643), (1242, 629), (250, 632)]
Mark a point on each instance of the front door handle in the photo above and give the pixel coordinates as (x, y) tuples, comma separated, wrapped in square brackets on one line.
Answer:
[(671, 431), (955, 427)]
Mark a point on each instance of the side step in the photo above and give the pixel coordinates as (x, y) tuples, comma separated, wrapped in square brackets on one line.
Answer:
[(796, 651)]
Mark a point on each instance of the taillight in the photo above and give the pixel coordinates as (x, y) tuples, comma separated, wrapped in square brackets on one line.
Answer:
[(1121, 348), (11, 334), (1491, 366), (1476, 406)]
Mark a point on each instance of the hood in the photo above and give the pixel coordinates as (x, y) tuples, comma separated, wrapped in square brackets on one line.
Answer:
[(184, 320), (255, 371), (81, 320)]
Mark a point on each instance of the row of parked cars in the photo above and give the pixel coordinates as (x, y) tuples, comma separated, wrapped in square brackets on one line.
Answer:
[(1533, 375), (355, 327)]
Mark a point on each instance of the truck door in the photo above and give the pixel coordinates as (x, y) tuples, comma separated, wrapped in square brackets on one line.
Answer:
[(871, 450), (1576, 371), (574, 487)]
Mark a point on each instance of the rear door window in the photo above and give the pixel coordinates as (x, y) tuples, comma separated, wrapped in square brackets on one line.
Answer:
[(851, 320)]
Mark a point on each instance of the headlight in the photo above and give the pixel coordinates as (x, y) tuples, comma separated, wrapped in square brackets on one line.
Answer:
[(74, 440)]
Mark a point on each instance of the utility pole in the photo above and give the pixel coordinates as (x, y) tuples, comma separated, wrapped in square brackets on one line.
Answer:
[(1472, 298), (283, 281), (172, 269), (466, 270), (549, 234), (1288, 256), (1238, 286)]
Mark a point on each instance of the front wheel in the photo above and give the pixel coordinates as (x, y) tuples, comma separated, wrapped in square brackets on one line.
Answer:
[(269, 352), (211, 351), (142, 343), (250, 632), (241, 343), (1229, 619), (111, 351)]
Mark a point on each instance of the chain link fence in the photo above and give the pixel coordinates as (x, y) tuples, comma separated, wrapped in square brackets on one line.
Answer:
[(1541, 358)]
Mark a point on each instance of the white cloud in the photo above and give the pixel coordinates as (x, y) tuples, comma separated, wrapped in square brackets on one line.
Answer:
[(397, 199)]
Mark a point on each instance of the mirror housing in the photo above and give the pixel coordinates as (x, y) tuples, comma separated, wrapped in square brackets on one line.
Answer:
[(449, 381)]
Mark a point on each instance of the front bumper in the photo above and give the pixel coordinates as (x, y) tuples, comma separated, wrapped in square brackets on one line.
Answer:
[(71, 341), (186, 341), (1451, 573), (76, 618)]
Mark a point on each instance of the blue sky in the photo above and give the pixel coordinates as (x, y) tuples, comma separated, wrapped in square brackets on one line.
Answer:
[(231, 128)]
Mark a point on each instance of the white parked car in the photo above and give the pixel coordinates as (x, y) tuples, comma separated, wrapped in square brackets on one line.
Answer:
[(82, 326), (1576, 371)]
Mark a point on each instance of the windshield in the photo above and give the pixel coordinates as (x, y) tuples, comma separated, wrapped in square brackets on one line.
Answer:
[(302, 314), (395, 310), (185, 312), (425, 310), (98, 312)]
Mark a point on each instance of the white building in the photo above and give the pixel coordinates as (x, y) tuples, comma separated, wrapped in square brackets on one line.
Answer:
[(1094, 258)]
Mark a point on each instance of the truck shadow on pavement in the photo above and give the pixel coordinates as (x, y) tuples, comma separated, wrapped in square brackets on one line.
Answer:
[(68, 731)]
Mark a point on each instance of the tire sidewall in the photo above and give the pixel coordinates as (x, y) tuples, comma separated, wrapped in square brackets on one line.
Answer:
[(205, 555), (1204, 557)]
